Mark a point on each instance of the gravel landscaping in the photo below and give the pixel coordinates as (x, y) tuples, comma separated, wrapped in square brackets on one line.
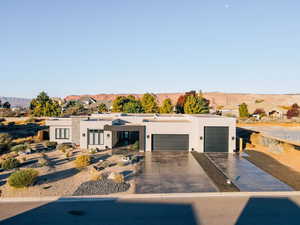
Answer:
[(104, 186)]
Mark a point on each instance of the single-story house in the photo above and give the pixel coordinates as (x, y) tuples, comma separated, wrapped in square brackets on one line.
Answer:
[(172, 132)]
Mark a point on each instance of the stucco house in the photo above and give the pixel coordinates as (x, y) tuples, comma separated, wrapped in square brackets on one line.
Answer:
[(172, 132)]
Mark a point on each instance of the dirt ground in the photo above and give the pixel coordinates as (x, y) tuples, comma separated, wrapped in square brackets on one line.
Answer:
[(283, 167), (60, 179), (270, 124)]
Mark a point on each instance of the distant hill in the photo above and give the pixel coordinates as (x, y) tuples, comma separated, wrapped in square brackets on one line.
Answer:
[(14, 102), (227, 100)]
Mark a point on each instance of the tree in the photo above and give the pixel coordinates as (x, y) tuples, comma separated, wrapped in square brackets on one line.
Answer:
[(6, 105), (181, 101), (167, 106), (42, 105), (102, 108), (149, 103), (118, 104), (243, 110), (133, 106), (293, 112), (196, 104)]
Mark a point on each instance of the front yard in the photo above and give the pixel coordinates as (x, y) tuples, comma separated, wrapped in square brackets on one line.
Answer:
[(58, 175)]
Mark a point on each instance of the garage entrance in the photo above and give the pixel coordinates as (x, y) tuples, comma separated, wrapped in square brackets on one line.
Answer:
[(216, 139), (170, 142)]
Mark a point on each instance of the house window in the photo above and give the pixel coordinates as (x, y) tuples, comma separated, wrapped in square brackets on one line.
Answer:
[(62, 133), (96, 137)]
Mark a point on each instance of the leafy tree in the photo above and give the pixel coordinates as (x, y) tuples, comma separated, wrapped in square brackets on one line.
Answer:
[(118, 104), (42, 105), (167, 106), (293, 112), (181, 101), (260, 112), (133, 106), (6, 105), (149, 103), (243, 110), (102, 108), (196, 104), (5, 142)]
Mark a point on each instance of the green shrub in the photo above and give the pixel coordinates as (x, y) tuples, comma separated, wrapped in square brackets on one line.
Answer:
[(121, 164), (23, 178), (10, 163), (31, 120), (18, 148), (82, 161), (5, 141), (50, 144), (135, 146), (64, 147)]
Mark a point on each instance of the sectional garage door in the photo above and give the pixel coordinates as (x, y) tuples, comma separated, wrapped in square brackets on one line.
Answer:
[(170, 142), (216, 139)]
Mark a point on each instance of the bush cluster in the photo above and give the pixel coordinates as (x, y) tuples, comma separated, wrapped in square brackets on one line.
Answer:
[(64, 147), (23, 178), (18, 148), (50, 144), (82, 161), (119, 178), (10, 163)]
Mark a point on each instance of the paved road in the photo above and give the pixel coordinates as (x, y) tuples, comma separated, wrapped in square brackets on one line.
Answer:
[(172, 172), (174, 211)]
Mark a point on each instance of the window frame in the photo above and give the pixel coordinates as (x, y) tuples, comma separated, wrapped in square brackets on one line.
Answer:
[(94, 133), (62, 133)]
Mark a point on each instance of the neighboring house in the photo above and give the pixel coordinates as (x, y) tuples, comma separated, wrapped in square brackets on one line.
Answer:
[(202, 133), (59, 100), (86, 100)]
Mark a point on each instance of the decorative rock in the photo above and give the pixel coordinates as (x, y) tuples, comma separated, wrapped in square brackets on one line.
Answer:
[(112, 176), (100, 187)]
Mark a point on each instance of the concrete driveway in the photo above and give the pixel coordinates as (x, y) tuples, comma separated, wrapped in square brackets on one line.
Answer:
[(172, 172)]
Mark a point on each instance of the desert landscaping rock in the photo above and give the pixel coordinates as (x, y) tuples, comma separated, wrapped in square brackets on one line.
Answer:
[(100, 187)]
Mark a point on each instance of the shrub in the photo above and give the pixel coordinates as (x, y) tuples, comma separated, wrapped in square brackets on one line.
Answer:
[(31, 120), (135, 146), (96, 176), (23, 178), (50, 144), (43, 162), (68, 154), (118, 178), (82, 161), (121, 164), (5, 141), (10, 163), (18, 148), (64, 147)]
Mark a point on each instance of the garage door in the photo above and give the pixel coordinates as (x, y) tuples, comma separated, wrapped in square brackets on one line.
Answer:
[(216, 139), (170, 142)]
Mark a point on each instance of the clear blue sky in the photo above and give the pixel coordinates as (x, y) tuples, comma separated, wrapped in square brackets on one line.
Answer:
[(108, 46)]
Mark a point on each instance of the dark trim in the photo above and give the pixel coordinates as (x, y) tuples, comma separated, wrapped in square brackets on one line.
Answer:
[(140, 129)]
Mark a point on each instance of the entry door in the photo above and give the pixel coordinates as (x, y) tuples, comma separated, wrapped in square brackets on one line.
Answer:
[(216, 139), (170, 142)]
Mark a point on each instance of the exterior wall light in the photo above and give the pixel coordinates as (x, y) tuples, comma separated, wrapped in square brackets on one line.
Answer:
[(233, 138), (108, 135), (201, 138), (148, 136), (83, 135)]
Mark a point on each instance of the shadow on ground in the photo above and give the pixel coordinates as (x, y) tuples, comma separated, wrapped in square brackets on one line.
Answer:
[(59, 175), (107, 212), (275, 211)]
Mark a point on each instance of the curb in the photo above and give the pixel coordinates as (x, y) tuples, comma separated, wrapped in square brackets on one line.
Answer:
[(150, 196)]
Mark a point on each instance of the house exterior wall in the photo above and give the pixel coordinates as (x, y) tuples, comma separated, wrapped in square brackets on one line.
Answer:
[(59, 123), (191, 125), (85, 125)]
